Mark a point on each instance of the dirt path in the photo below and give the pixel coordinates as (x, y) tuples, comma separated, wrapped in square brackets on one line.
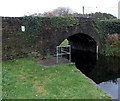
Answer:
[(52, 61)]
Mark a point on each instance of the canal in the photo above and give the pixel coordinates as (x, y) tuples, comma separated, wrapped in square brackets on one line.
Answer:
[(104, 71)]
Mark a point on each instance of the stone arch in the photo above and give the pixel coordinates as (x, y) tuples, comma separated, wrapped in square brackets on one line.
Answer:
[(80, 41), (85, 27), (83, 42)]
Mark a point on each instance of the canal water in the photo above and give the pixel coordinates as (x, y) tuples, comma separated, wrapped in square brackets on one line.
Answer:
[(104, 71)]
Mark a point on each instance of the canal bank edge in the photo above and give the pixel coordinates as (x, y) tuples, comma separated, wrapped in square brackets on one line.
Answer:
[(95, 84)]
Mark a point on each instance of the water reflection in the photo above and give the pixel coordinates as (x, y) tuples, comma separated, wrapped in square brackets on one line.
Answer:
[(105, 71), (101, 70), (111, 88)]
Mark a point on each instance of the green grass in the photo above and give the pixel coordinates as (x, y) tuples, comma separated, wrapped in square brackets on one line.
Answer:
[(25, 79), (65, 42)]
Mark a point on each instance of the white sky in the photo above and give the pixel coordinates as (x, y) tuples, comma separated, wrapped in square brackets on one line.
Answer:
[(25, 7)]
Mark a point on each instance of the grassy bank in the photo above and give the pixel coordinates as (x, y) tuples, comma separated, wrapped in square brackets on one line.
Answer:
[(25, 79)]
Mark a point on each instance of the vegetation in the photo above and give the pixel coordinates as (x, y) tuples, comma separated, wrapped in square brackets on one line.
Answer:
[(108, 26), (101, 16), (65, 42), (35, 26), (60, 11), (65, 11), (105, 29), (111, 50), (25, 79), (31, 43)]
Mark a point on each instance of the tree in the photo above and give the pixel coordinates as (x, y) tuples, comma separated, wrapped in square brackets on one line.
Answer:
[(48, 14), (65, 11), (62, 11)]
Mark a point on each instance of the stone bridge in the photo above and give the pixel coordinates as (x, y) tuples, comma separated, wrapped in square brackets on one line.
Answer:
[(81, 37)]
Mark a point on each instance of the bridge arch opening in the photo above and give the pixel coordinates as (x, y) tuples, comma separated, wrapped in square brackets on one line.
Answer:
[(83, 48), (82, 45), (82, 42)]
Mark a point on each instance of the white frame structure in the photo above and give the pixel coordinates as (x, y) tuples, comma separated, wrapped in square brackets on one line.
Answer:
[(60, 51)]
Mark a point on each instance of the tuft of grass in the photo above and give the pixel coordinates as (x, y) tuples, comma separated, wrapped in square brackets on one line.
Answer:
[(25, 79)]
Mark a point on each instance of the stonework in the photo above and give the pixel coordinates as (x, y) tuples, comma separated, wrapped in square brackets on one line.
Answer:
[(14, 45)]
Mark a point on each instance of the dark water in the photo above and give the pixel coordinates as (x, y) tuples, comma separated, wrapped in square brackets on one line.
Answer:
[(105, 71)]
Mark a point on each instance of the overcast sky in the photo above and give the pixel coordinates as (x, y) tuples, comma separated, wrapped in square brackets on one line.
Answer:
[(25, 7)]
